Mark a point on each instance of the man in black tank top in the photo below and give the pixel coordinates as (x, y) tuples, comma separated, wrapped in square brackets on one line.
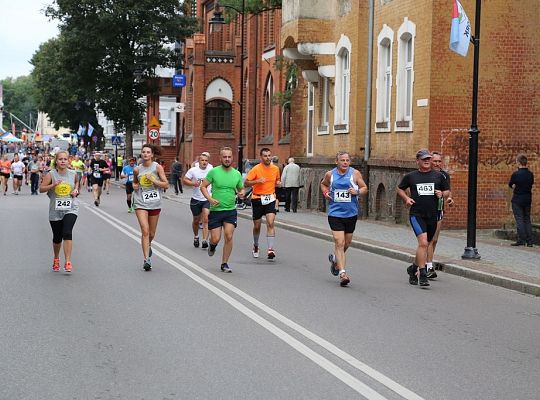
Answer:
[(425, 187)]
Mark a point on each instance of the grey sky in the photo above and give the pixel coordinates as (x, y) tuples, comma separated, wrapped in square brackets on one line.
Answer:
[(24, 28)]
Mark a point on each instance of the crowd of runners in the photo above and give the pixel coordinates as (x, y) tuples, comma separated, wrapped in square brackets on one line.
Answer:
[(215, 193)]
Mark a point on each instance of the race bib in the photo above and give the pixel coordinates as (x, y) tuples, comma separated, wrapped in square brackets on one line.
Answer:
[(342, 196), (97, 175), (63, 204), (150, 196), (267, 199), (425, 189), (130, 178)]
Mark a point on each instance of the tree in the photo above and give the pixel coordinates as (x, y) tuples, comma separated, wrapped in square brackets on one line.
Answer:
[(110, 41), (19, 100)]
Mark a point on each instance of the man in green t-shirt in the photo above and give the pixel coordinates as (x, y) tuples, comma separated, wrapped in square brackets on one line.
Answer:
[(226, 184)]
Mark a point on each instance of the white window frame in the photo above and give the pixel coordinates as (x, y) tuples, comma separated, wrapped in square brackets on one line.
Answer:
[(342, 87), (383, 83), (310, 121), (324, 92), (405, 76)]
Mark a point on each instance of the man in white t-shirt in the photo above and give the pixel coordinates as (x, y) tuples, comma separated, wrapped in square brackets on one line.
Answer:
[(200, 207), (19, 169)]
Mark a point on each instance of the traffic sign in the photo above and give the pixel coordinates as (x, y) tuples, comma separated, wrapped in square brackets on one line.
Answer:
[(179, 81), (116, 140), (154, 123), (179, 107), (153, 134)]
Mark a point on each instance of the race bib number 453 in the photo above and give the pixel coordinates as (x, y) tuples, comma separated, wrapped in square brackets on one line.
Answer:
[(425, 189), (63, 204)]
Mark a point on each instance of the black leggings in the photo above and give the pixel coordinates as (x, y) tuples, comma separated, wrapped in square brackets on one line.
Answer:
[(62, 230)]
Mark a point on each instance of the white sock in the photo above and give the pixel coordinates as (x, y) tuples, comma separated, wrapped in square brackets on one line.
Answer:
[(429, 265)]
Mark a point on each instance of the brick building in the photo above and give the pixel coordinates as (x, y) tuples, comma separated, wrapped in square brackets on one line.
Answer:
[(212, 96), (420, 96)]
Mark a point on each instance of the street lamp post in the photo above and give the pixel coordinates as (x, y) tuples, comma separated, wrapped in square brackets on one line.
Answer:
[(470, 251), (218, 20)]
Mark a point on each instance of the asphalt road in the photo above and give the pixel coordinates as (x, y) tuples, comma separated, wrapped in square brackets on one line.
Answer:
[(269, 330)]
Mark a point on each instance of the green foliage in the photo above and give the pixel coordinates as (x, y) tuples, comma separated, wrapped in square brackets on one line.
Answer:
[(102, 43), (19, 100), (291, 81)]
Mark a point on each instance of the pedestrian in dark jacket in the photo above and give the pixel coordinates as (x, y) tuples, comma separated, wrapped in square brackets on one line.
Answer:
[(176, 175), (522, 181)]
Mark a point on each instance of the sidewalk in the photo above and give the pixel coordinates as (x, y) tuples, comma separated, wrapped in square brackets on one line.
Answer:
[(516, 268)]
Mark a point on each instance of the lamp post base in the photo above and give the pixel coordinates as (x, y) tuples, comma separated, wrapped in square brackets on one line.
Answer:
[(471, 253)]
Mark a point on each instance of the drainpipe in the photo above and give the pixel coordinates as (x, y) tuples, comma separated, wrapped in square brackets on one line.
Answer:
[(367, 138)]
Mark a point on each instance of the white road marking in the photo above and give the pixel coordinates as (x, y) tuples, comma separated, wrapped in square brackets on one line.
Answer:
[(324, 363)]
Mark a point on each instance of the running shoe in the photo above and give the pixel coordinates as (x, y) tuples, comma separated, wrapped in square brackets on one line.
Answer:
[(96, 203), (333, 265), (147, 265), (56, 265), (431, 274), (130, 210), (271, 254), (255, 251), (411, 270), (225, 268), (204, 244), (422, 277), (212, 249), (196, 242), (343, 279), (67, 266)]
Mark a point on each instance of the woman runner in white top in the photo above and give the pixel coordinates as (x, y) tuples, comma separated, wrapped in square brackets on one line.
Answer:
[(149, 180), (62, 187)]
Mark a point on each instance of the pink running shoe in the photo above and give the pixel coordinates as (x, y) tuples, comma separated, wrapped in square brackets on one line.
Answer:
[(67, 266), (56, 265)]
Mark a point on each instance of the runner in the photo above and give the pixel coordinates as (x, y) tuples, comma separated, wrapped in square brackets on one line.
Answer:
[(88, 169), (200, 207), (5, 172), (19, 169), (264, 177), (127, 174), (107, 174), (226, 185), (436, 165), (62, 187), (98, 167), (426, 187), (78, 166), (149, 180), (341, 187)]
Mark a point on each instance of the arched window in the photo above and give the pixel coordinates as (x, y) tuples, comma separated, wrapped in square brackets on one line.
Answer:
[(384, 79), (405, 76), (269, 107), (218, 116), (342, 86)]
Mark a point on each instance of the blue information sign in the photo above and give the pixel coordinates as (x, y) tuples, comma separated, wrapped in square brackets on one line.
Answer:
[(116, 140), (179, 81)]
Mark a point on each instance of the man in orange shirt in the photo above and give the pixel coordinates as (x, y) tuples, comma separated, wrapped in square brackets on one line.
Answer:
[(264, 177)]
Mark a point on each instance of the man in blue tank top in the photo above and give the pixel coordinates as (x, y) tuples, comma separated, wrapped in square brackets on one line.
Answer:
[(341, 187)]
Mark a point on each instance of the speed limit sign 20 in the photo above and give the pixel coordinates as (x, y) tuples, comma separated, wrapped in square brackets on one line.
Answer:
[(153, 134)]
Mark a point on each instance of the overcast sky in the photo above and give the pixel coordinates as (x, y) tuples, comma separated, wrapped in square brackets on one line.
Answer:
[(23, 28)]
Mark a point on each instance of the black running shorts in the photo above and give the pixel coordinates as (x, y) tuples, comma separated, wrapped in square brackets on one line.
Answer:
[(347, 225)]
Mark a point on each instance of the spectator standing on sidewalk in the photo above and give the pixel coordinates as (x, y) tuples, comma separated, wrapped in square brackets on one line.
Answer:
[(341, 187), (176, 175), (436, 165), (522, 181), (425, 187), (290, 179)]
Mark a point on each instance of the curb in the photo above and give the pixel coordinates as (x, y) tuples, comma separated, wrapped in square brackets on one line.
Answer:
[(454, 269)]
